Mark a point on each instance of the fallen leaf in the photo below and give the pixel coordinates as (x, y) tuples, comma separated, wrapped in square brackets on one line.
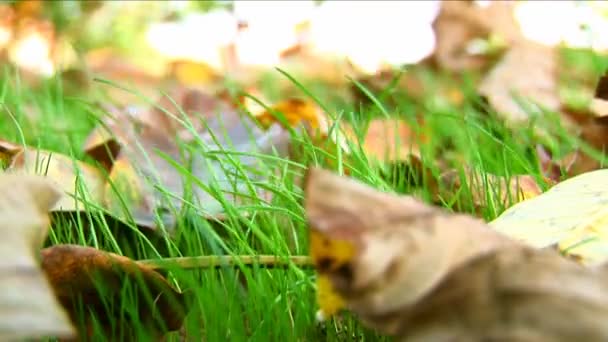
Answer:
[(392, 249), (572, 215), (191, 73), (81, 184), (419, 273), (295, 111), (460, 23), (527, 73), (28, 307), (512, 294), (98, 280), (391, 140)]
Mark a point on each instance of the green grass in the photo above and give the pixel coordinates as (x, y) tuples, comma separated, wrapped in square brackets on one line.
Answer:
[(255, 303)]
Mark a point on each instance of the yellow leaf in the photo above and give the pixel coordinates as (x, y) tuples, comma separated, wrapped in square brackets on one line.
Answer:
[(573, 215)]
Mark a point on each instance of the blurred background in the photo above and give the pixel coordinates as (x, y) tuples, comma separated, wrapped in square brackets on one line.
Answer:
[(201, 42)]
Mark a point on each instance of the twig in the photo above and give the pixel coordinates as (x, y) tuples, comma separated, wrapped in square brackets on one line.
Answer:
[(216, 261)]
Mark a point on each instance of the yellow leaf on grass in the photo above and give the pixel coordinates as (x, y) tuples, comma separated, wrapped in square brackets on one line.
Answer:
[(295, 112), (573, 215)]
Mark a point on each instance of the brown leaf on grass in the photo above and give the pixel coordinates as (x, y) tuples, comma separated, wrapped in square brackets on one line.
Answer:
[(393, 249), (295, 111), (525, 76), (572, 164), (104, 283), (305, 115), (487, 190), (419, 273), (79, 182), (459, 23), (190, 73), (28, 308), (513, 294), (391, 140)]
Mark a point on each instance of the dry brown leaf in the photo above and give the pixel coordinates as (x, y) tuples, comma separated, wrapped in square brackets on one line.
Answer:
[(528, 71), (488, 189), (459, 23), (391, 140), (81, 184), (513, 294), (393, 249), (28, 307), (97, 279), (421, 274)]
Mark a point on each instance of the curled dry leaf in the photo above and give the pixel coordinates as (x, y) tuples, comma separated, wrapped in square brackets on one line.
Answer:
[(527, 73), (382, 251), (28, 307), (572, 215), (98, 280), (488, 189), (513, 294), (421, 274)]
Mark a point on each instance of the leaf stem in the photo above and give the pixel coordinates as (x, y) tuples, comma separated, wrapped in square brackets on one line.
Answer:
[(216, 261)]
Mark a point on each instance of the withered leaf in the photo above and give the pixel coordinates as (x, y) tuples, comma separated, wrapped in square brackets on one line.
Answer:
[(393, 249), (512, 294), (525, 76), (390, 140), (418, 273), (459, 23), (81, 184), (98, 280), (296, 111), (28, 307)]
